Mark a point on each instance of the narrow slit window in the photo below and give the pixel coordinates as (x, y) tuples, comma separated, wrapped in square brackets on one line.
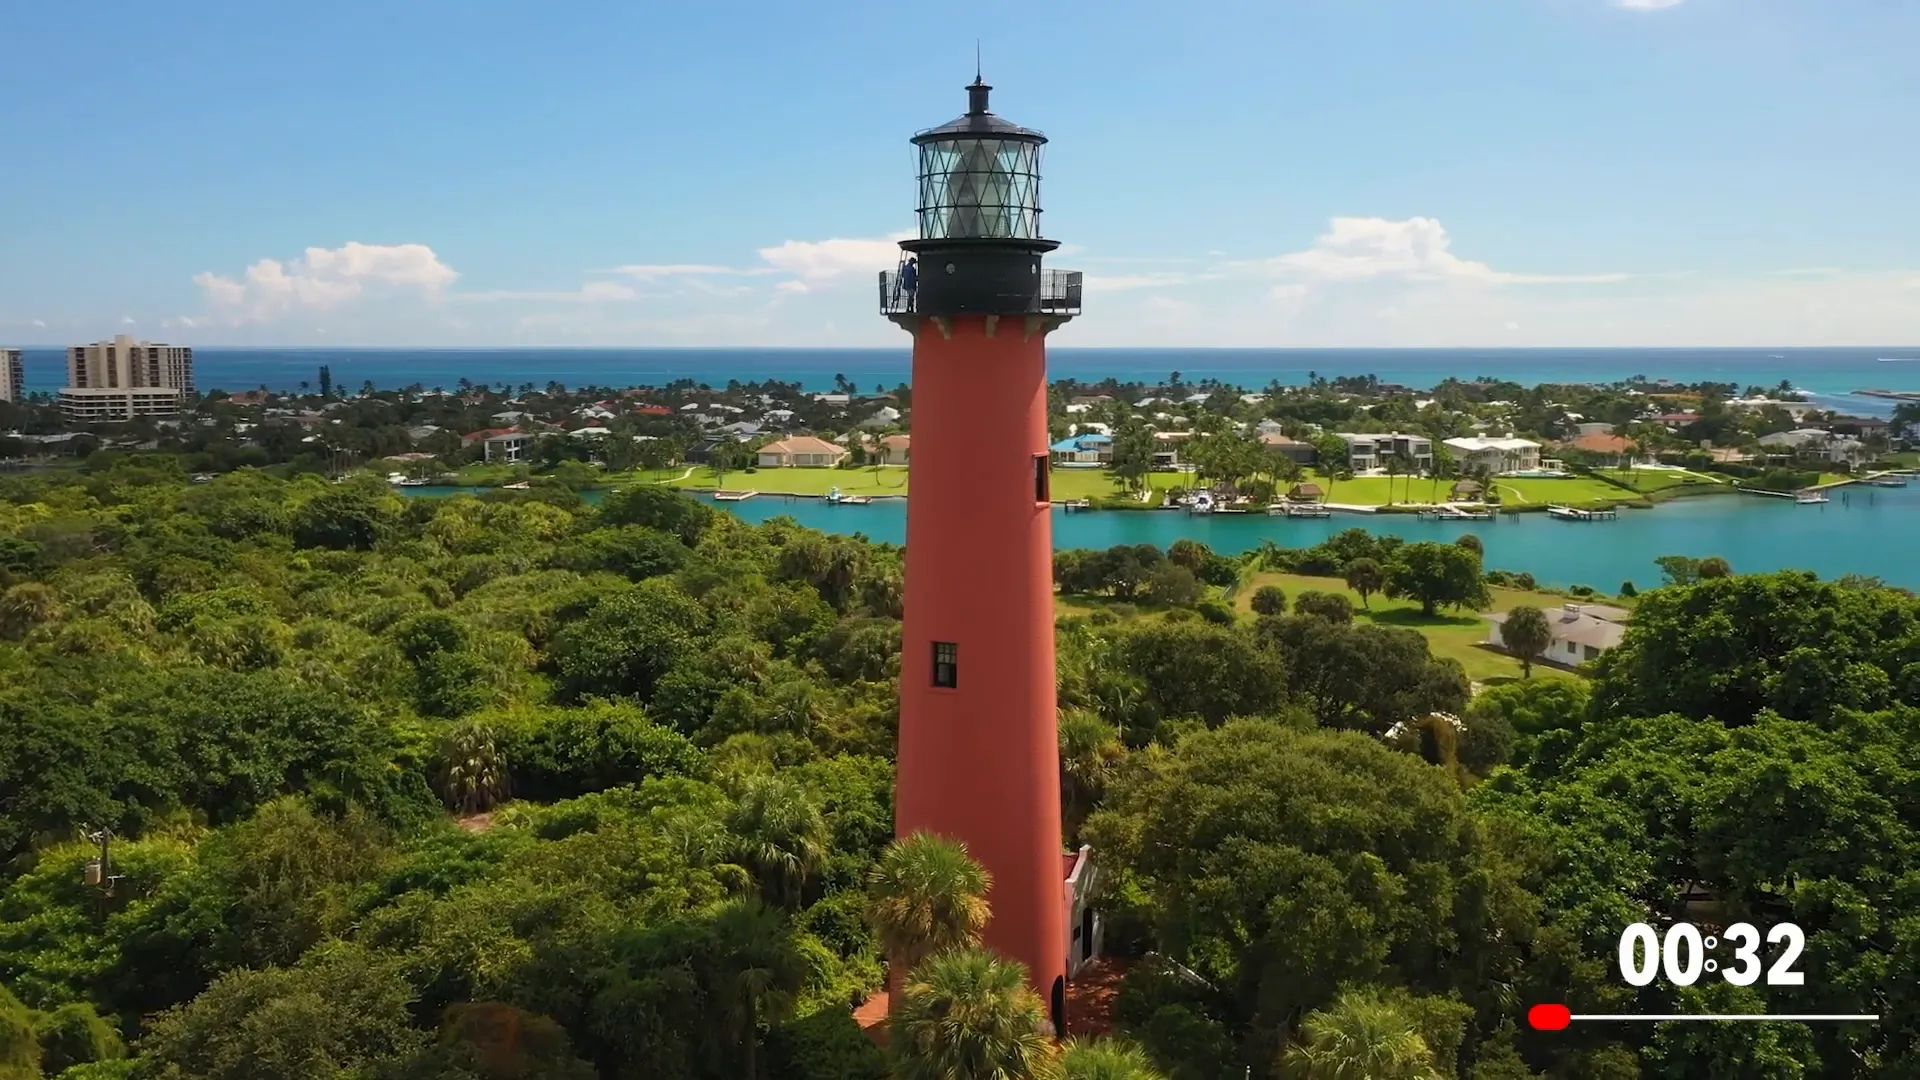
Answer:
[(1041, 492), (946, 664)]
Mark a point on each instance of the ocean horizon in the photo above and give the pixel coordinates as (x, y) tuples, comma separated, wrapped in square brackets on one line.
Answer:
[(1828, 375)]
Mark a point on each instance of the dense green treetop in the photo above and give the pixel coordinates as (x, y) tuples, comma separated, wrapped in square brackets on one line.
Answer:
[(388, 777)]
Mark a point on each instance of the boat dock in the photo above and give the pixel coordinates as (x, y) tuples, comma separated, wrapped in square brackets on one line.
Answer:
[(733, 496), (1078, 504), (1299, 510), (1457, 513), (1571, 513)]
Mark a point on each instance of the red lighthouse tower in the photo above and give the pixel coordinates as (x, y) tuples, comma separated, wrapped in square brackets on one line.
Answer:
[(979, 757)]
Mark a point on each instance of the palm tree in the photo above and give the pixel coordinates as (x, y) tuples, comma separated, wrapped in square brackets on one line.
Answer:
[(1107, 1059), (926, 895), (1360, 1035), (1526, 634), (781, 836), (969, 1015), (1443, 469), (473, 770), (1090, 753), (754, 972), (1391, 462)]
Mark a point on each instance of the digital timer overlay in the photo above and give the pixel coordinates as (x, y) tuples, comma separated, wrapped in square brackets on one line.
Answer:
[(1685, 955)]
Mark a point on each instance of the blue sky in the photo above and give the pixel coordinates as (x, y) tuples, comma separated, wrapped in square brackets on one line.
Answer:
[(1286, 172)]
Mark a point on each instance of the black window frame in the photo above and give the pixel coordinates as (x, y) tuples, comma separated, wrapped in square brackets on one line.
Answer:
[(1042, 478), (946, 665)]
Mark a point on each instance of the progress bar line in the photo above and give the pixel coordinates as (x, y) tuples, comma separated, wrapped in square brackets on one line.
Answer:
[(1727, 1017)]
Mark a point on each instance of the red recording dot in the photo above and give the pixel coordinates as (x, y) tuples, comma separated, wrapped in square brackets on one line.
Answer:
[(1549, 1017)]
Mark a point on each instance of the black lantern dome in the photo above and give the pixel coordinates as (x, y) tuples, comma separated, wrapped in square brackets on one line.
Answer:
[(979, 244)]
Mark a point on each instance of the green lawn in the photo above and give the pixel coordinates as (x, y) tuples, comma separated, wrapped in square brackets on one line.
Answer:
[(1067, 484), (1453, 634), (1651, 480)]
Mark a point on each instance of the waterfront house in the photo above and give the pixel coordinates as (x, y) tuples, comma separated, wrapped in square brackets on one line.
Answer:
[(1496, 455), (1837, 449), (1368, 451), (1091, 449), (889, 449), (1580, 632), (801, 451), (507, 447), (1300, 453), (700, 453)]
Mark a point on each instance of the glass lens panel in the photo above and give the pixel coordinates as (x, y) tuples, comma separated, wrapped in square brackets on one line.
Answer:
[(974, 188)]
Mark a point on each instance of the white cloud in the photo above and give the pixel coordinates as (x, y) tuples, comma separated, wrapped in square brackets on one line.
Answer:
[(593, 292), (1416, 249), (818, 262), (324, 278), (1100, 283), (658, 271), (1807, 271), (1649, 5), (126, 320), (41, 323)]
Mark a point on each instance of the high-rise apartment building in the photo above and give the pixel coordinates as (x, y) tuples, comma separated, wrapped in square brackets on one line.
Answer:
[(13, 378), (124, 378)]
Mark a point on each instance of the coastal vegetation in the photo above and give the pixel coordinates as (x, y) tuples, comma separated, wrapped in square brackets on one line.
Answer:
[(519, 785)]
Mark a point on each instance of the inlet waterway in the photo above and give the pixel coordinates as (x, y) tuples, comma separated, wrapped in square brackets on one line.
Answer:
[(1862, 530)]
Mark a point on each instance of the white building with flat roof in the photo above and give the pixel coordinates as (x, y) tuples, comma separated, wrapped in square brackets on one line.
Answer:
[(13, 378), (123, 379), (1497, 455), (1369, 451)]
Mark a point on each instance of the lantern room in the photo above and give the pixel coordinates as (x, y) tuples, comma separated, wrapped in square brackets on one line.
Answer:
[(978, 247)]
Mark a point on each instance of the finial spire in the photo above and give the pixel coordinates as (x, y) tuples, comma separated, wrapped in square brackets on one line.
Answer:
[(976, 61)]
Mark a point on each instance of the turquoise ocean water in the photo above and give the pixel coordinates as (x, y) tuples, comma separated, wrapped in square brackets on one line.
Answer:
[(1829, 373)]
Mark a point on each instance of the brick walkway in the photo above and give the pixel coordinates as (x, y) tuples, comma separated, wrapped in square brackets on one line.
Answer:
[(1091, 994)]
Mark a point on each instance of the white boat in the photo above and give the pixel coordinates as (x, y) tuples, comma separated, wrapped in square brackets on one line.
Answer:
[(1201, 504), (1809, 498)]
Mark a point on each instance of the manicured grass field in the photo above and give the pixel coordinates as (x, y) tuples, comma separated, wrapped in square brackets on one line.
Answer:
[(1449, 633), (1067, 484), (886, 480), (1651, 480)]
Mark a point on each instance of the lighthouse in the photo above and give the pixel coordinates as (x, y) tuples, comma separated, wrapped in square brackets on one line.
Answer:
[(979, 757)]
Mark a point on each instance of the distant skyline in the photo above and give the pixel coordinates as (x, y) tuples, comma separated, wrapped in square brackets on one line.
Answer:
[(1311, 173)]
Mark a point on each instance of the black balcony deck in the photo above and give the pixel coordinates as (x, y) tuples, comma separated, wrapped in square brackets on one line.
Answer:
[(1059, 294)]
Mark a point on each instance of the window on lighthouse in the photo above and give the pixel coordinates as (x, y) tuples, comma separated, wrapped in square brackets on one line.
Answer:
[(946, 664), (1040, 487)]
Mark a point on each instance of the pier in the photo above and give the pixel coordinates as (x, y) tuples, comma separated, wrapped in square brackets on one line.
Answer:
[(733, 496), (1457, 513), (1299, 510), (1571, 513)]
